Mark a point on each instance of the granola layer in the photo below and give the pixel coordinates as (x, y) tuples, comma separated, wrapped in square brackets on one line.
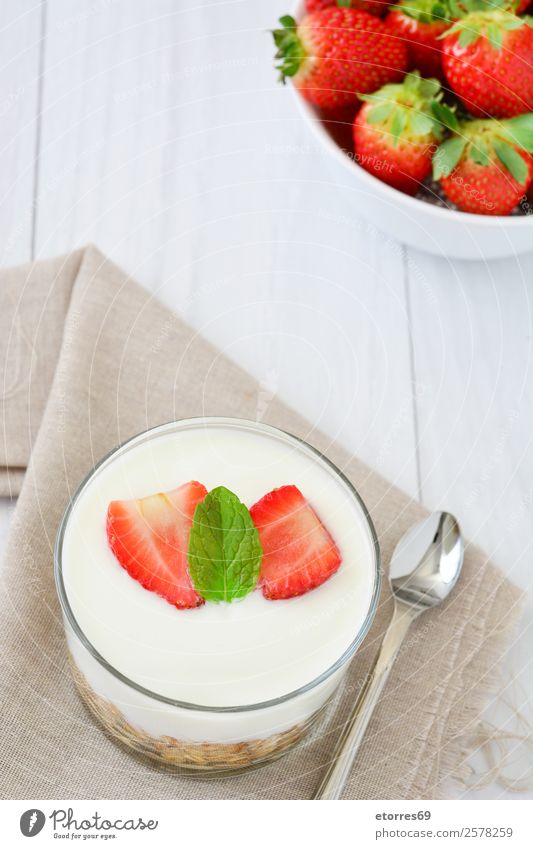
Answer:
[(174, 755)]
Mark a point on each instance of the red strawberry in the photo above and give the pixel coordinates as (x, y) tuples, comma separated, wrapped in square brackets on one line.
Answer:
[(395, 132), (487, 59), (338, 53), (298, 552), (375, 7), (486, 167), (150, 536), (421, 23)]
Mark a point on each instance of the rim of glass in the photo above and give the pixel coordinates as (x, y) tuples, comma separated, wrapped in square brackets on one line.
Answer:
[(231, 422)]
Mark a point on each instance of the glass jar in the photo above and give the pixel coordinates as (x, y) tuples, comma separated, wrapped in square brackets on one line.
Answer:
[(181, 736)]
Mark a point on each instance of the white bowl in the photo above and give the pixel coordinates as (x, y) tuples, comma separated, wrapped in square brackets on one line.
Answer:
[(421, 225)]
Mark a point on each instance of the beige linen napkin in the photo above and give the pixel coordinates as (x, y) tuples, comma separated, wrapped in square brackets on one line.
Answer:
[(89, 359)]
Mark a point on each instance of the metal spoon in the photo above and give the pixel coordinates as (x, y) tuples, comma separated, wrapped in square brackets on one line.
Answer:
[(424, 569)]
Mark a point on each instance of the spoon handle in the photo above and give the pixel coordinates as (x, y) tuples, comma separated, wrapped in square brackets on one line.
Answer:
[(348, 744)]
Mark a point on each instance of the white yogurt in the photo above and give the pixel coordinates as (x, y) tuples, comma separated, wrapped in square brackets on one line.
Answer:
[(242, 653)]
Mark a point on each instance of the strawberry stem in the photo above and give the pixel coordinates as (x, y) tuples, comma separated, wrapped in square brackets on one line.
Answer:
[(425, 11), (290, 48), (485, 140), (408, 109), (491, 24)]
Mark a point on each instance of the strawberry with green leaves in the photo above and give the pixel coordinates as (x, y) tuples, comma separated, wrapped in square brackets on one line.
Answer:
[(487, 58), (338, 53), (396, 130), (421, 23), (375, 7), (486, 166)]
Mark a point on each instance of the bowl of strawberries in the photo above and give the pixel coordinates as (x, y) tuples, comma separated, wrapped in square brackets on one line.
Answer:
[(425, 111)]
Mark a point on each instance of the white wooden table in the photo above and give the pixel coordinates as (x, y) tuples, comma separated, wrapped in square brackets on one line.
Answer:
[(157, 130)]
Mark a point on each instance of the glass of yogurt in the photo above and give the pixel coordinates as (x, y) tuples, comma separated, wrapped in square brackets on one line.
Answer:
[(223, 686)]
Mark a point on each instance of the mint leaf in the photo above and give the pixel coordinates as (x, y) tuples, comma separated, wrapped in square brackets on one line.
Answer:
[(447, 156), (511, 160), (224, 548)]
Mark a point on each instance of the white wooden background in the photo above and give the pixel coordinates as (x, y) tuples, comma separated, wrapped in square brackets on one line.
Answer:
[(157, 130)]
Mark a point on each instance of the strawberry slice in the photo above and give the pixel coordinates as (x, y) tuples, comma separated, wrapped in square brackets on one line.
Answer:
[(299, 554), (150, 537)]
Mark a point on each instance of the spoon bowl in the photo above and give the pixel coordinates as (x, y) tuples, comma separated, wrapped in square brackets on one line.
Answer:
[(436, 547)]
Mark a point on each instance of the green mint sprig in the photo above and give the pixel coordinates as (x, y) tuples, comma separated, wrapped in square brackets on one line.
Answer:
[(224, 548)]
